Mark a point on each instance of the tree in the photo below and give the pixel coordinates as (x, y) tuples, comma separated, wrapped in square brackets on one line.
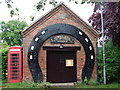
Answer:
[(112, 63), (38, 6), (11, 32), (3, 62), (111, 17)]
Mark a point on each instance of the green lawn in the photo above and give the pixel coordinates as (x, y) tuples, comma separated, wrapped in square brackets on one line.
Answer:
[(21, 85), (113, 85), (35, 85)]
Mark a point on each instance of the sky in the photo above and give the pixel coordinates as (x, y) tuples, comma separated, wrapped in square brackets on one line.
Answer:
[(26, 10)]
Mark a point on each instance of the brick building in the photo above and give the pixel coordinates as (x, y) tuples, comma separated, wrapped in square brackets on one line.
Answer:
[(59, 47)]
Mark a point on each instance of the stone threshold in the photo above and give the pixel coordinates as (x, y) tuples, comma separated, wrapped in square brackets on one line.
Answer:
[(62, 84)]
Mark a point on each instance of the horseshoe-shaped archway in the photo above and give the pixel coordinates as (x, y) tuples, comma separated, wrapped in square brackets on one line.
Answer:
[(55, 29)]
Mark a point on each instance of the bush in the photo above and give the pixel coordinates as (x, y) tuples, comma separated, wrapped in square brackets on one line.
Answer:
[(4, 53), (93, 82), (112, 55)]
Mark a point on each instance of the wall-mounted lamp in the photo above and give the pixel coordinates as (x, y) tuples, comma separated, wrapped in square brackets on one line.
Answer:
[(61, 46)]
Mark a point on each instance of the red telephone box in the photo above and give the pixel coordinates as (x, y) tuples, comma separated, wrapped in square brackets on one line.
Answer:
[(15, 64)]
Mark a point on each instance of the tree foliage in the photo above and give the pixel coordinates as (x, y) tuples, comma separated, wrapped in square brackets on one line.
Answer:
[(4, 52), (112, 63), (38, 6), (10, 36), (111, 17), (11, 32)]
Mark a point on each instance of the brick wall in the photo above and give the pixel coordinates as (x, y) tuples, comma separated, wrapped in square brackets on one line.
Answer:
[(59, 16), (80, 57)]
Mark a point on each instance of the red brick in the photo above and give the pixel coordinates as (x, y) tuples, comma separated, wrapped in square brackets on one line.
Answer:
[(28, 36)]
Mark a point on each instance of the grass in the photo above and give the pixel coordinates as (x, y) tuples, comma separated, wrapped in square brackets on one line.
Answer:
[(21, 85), (25, 84), (113, 85)]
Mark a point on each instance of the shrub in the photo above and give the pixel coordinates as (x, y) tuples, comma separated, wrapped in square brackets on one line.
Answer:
[(4, 53), (112, 55), (93, 82), (86, 81)]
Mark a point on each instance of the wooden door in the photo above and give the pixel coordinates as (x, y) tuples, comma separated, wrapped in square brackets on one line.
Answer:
[(58, 68)]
